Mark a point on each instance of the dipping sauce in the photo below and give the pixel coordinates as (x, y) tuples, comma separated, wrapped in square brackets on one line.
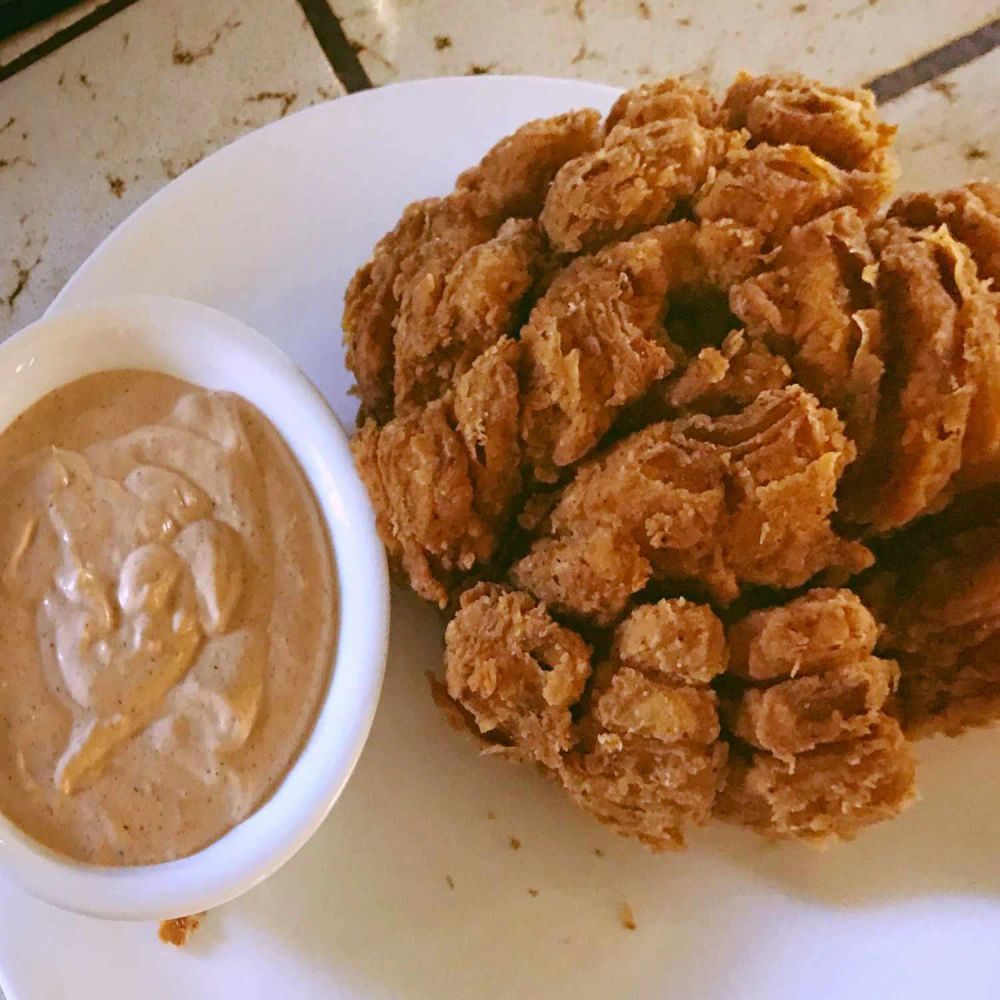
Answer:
[(167, 616)]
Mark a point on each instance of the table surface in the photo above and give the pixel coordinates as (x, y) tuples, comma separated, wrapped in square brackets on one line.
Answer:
[(107, 102)]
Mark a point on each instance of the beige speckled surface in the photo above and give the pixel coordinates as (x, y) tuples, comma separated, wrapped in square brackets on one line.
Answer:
[(624, 41), (90, 132), (949, 130)]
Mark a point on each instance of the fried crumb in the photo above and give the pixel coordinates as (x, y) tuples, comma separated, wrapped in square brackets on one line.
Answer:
[(286, 99), (946, 88), (442, 42), (625, 916), (644, 11), (491, 814), (976, 153), (532, 892), (515, 844), (21, 282), (184, 56), (450, 881), (598, 852), (116, 185), (178, 930)]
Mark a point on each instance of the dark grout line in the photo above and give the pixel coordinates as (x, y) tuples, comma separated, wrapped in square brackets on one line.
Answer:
[(958, 52), (60, 38), (336, 46)]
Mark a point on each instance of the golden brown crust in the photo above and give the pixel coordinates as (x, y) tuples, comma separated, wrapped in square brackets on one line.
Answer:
[(442, 478), (798, 715), (512, 179), (411, 263), (840, 124), (598, 341), (728, 378), (682, 640), (457, 305), (178, 930), (634, 181), (565, 390), (664, 100), (437, 227), (826, 759), (646, 789), (720, 502), (939, 422), (515, 672), (648, 761), (591, 346), (822, 630), (832, 792), (942, 614), (972, 215), (815, 305), (775, 188)]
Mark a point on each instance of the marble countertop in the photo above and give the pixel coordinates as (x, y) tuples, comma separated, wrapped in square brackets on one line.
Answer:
[(107, 102)]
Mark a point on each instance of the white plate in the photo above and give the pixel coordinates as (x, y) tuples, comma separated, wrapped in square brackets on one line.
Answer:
[(270, 230)]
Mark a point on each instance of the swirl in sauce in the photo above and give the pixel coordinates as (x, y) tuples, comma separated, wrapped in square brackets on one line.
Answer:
[(168, 616)]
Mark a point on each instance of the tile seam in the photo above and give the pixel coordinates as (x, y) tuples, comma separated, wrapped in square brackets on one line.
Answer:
[(936, 63)]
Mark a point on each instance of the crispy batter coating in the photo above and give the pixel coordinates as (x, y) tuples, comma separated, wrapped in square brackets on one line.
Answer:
[(739, 499), (456, 307), (438, 227), (591, 346), (643, 788), (815, 305), (942, 612), (728, 378), (634, 181), (939, 422), (812, 148), (595, 342), (774, 188), (664, 100), (820, 631), (840, 124), (512, 179), (832, 792), (649, 761), (800, 714), (678, 638), (442, 478), (824, 721), (430, 239), (972, 215), (515, 672), (630, 701)]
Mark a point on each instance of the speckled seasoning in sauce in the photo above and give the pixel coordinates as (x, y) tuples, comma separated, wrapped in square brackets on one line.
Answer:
[(167, 616)]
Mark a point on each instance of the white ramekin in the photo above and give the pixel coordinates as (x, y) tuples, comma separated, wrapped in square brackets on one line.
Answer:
[(213, 350)]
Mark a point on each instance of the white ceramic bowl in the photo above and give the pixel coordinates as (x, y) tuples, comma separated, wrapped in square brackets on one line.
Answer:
[(213, 350)]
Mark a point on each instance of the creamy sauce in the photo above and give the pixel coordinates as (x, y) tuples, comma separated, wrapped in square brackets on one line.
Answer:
[(167, 616)]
